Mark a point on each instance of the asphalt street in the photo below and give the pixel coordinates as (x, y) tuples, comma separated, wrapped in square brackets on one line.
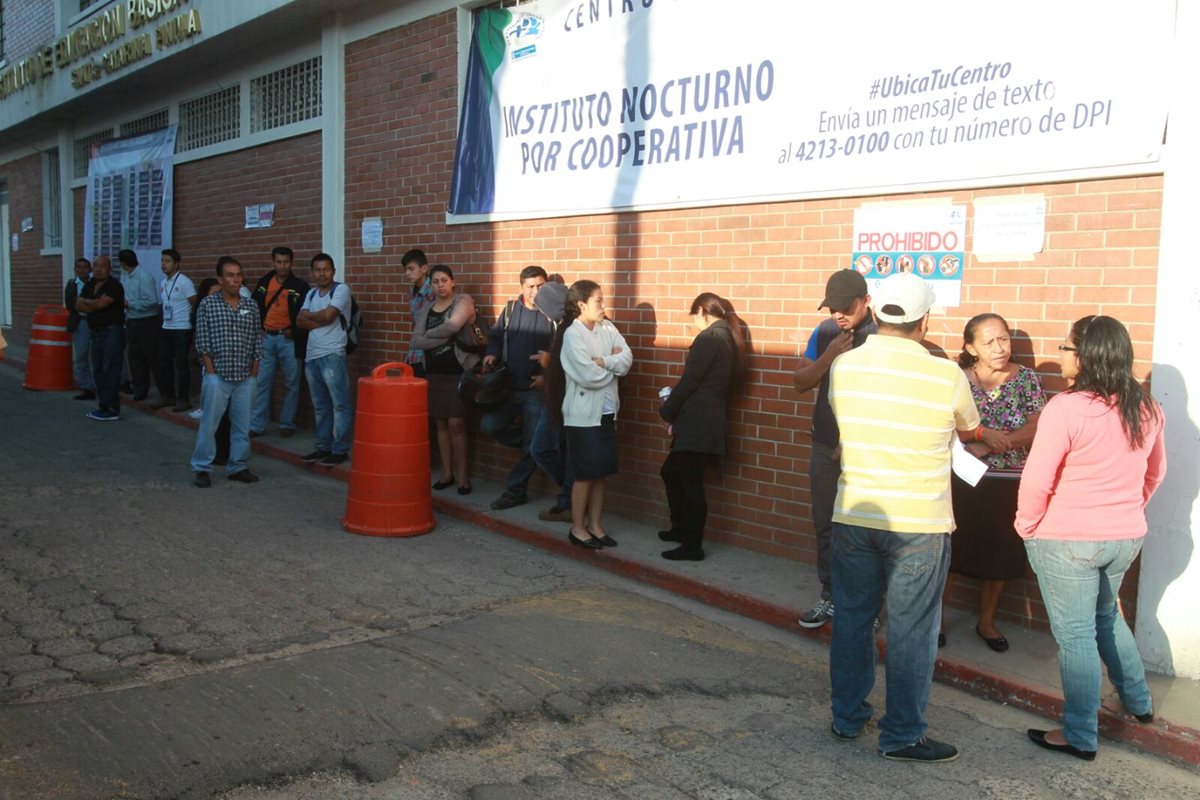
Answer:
[(161, 641)]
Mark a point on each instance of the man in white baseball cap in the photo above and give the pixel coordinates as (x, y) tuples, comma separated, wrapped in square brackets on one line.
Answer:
[(897, 408)]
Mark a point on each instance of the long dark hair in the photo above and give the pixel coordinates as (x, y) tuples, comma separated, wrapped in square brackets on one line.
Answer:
[(1106, 369), (554, 377), (716, 306), (965, 359)]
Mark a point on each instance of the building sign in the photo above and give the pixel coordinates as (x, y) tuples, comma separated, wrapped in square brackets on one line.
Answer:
[(109, 41), (928, 239), (584, 106)]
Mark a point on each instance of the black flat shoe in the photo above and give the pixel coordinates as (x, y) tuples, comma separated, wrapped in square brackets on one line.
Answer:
[(589, 543), (464, 489), (1146, 718), (999, 644), (684, 553), (670, 536), (439, 485), (1039, 738), (607, 540)]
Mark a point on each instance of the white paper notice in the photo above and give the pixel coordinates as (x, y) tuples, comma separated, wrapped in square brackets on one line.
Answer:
[(965, 465), (372, 234), (1014, 225)]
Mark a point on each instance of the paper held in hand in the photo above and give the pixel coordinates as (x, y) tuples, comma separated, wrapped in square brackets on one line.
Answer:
[(965, 465)]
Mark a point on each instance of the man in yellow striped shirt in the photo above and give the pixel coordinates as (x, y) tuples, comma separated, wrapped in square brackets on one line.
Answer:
[(898, 408)]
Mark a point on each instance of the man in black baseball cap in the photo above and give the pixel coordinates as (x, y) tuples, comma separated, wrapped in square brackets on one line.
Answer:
[(849, 324)]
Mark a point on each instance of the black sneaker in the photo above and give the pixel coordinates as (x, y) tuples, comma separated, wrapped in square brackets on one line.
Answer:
[(507, 500), (243, 476), (86, 394), (818, 615), (316, 455), (201, 480), (333, 459), (555, 514), (843, 737), (926, 750)]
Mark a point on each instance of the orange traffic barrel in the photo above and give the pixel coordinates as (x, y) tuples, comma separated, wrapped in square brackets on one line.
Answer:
[(390, 492), (48, 364)]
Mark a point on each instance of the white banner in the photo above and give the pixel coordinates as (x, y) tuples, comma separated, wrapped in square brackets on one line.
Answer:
[(579, 106), (129, 198)]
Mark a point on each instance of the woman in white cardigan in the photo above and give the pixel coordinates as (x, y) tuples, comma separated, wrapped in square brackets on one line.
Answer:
[(589, 356)]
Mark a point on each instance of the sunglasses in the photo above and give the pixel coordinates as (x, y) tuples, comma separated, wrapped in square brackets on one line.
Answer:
[(1066, 348)]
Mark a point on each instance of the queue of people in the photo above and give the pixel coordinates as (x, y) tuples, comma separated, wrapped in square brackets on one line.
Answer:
[(1064, 491)]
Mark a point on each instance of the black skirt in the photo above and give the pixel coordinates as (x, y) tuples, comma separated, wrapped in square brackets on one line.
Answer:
[(985, 545), (592, 452)]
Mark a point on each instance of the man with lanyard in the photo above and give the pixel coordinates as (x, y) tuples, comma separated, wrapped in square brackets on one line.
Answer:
[(229, 341), (279, 295), (849, 324), (416, 270), (516, 341), (177, 295), (325, 308), (142, 323), (81, 334), (103, 300)]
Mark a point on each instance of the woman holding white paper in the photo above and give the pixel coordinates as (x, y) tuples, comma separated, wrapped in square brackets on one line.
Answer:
[(1009, 398)]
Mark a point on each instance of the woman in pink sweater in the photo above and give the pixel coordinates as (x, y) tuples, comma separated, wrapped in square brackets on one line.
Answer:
[(1096, 460)]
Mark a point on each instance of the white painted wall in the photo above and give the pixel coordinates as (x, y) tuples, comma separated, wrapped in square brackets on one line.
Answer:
[(1168, 625)]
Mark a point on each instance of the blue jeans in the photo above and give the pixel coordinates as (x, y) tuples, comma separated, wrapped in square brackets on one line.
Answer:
[(217, 395), (81, 357), (1079, 582), (910, 570), (108, 345), (329, 385), (524, 408), (549, 452), (277, 350)]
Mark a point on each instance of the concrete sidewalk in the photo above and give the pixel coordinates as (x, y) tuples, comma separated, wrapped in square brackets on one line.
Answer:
[(776, 591)]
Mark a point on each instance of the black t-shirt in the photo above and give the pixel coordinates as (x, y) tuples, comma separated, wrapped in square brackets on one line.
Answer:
[(440, 360), (115, 313)]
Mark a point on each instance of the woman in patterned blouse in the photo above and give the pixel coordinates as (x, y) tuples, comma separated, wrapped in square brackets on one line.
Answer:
[(1009, 398)]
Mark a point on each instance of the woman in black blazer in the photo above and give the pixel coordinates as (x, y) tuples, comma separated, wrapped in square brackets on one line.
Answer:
[(696, 412)]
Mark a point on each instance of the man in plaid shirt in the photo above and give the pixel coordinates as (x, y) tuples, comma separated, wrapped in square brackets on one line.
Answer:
[(229, 341)]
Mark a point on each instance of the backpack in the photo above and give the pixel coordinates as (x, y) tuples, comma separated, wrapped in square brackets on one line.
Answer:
[(353, 325)]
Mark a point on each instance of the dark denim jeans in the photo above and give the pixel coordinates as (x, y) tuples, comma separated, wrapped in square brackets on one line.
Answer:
[(1079, 582), (108, 344), (501, 423), (909, 569), (174, 370), (549, 452), (823, 473)]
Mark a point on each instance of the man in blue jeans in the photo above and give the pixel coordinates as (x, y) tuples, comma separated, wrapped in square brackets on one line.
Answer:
[(81, 334), (103, 300), (517, 340), (279, 295), (897, 409), (229, 341), (325, 315)]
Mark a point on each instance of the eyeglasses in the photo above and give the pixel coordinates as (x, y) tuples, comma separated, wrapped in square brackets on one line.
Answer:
[(1066, 348)]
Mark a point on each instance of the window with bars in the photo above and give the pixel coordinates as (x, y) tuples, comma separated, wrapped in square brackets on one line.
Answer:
[(83, 151), (288, 95), (150, 122), (209, 119), (51, 201)]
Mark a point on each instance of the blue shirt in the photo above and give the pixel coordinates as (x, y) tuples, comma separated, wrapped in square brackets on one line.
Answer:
[(141, 293)]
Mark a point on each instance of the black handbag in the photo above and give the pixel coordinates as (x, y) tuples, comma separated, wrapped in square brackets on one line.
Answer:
[(480, 387)]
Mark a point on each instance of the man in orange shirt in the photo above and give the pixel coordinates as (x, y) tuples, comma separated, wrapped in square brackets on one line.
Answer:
[(279, 296)]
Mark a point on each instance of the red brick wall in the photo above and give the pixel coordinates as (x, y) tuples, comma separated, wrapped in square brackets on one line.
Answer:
[(770, 260), (35, 279), (210, 198)]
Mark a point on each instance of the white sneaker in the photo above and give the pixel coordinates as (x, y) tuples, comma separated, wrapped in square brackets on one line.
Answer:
[(196, 414), (818, 615)]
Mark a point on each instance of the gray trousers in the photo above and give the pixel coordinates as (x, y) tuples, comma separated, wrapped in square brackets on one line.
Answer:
[(823, 473)]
